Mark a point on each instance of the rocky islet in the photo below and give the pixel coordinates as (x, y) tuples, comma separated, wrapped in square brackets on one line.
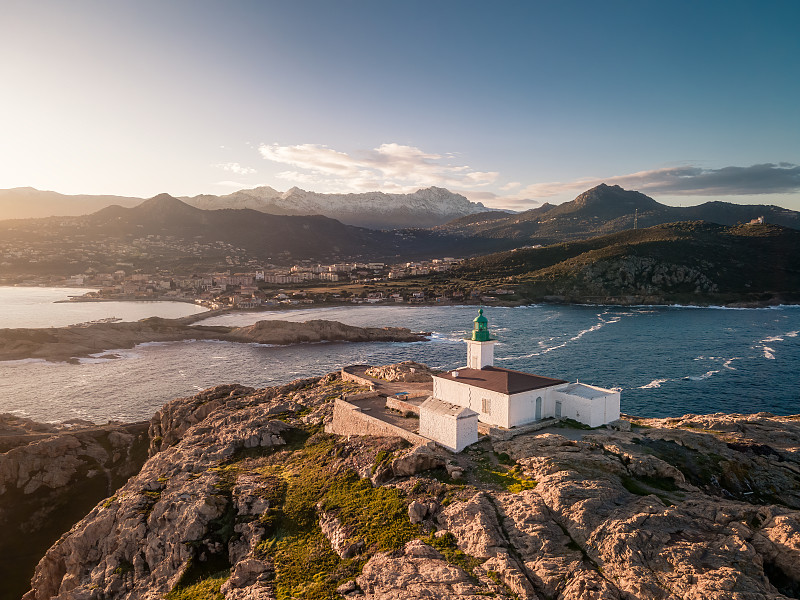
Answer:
[(79, 341)]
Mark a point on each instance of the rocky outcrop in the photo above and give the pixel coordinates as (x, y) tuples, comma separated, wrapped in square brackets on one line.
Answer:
[(70, 343), (289, 332), (408, 371), (419, 571), (49, 479), (247, 496), (644, 276), (622, 515), (140, 542), (168, 425)]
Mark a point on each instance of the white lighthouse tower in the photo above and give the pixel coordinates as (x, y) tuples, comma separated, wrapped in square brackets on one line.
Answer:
[(480, 347)]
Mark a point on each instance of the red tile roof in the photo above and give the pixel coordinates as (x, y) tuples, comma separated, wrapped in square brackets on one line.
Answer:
[(500, 380)]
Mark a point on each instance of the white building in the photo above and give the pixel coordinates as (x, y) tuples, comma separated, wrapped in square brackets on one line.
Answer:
[(506, 398), (452, 426)]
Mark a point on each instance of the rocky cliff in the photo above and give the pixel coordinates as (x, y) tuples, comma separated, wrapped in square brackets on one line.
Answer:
[(245, 497), (50, 476)]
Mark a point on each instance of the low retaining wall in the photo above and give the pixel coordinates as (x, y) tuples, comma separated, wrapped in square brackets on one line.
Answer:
[(348, 376), (403, 406), (349, 419), (361, 396)]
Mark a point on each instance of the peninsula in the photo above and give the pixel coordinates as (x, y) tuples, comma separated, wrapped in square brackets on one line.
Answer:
[(77, 341)]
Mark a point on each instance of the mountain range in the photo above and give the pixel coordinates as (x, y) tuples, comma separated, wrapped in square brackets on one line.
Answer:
[(606, 209), (424, 208), (30, 203), (376, 210), (165, 232)]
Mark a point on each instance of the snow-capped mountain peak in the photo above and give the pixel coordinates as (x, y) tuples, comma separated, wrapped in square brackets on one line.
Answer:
[(427, 207)]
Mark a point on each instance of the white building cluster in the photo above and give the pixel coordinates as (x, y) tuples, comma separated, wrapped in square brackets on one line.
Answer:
[(504, 398)]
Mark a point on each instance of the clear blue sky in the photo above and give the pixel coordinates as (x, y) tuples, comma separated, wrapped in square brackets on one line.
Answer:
[(511, 103)]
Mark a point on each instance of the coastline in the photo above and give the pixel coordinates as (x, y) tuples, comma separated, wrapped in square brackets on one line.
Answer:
[(774, 301)]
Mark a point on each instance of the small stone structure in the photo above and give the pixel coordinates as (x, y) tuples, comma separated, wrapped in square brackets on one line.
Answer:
[(449, 425)]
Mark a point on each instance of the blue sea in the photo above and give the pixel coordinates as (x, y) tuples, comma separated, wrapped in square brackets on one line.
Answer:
[(667, 361)]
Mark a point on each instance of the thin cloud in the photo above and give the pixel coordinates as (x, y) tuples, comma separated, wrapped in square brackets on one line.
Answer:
[(767, 178), (389, 167), (235, 167)]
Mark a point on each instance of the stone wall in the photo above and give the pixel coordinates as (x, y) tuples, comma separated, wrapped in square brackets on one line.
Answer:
[(349, 419), (348, 376), (403, 406)]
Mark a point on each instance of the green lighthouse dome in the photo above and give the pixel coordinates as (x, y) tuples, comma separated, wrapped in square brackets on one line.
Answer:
[(480, 328)]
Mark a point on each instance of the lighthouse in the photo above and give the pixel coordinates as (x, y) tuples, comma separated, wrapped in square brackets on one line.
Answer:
[(480, 346)]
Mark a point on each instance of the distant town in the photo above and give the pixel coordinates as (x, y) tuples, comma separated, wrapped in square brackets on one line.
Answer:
[(271, 286)]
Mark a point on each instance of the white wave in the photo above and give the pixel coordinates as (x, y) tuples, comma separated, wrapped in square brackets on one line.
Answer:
[(769, 352), (714, 307), (727, 363), (446, 337), (705, 375), (599, 325), (656, 383)]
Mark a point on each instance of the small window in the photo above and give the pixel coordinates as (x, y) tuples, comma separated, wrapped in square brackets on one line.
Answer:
[(487, 406)]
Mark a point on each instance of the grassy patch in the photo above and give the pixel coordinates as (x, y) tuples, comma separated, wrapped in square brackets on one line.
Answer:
[(634, 487), (202, 580), (382, 457), (504, 459), (711, 472), (305, 564), (208, 589), (498, 475)]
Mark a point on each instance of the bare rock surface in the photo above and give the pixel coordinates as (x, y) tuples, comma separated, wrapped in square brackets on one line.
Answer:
[(406, 371), (418, 571), (245, 494)]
